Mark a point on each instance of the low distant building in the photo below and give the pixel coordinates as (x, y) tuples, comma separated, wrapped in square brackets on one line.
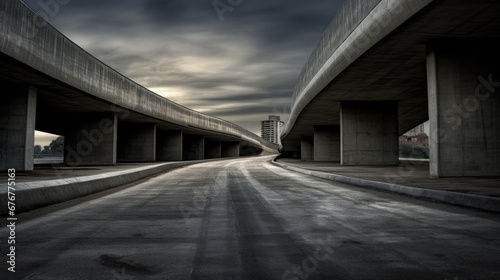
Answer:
[(421, 140), (271, 128), (415, 137)]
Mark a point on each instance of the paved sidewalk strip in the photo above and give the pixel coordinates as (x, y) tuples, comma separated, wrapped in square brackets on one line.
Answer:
[(483, 202), (39, 193)]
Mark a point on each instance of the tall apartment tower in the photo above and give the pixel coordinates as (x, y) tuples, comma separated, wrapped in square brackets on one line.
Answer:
[(270, 129)]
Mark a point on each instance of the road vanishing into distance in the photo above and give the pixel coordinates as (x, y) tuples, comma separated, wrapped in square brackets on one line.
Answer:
[(248, 219)]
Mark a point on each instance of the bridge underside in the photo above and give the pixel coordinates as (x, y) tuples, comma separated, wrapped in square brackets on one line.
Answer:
[(96, 132), (55, 86), (397, 69)]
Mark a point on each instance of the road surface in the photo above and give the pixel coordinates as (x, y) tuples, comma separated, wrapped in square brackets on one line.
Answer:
[(248, 219)]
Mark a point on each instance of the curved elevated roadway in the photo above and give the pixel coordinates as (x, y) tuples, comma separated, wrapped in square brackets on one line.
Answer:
[(384, 67), (49, 80)]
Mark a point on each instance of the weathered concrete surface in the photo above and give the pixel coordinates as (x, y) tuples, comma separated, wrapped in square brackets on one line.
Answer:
[(38, 191), (326, 143), (17, 127), (307, 148), (90, 139), (136, 142), (193, 147), (169, 145), (230, 149), (376, 50), (356, 28), (247, 219), (409, 178), (369, 133), (73, 78), (213, 149), (464, 107)]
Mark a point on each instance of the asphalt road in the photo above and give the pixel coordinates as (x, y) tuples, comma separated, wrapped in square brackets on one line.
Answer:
[(247, 219)]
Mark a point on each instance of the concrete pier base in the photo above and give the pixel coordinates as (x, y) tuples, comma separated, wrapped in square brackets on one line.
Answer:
[(91, 139), (326, 143), (169, 145), (193, 147), (463, 78), (136, 142), (307, 148), (369, 133), (230, 149), (17, 127)]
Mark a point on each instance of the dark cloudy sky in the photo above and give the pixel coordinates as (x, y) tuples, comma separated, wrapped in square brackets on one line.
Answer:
[(241, 67)]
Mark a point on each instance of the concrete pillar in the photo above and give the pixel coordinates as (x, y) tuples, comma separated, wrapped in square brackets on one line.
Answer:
[(212, 149), (369, 133), (91, 139), (136, 142), (463, 79), (230, 149), (307, 148), (193, 147), (326, 143), (169, 145), (17, 127)]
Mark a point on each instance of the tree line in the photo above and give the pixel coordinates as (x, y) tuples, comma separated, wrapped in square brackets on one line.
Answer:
[(55, 148)]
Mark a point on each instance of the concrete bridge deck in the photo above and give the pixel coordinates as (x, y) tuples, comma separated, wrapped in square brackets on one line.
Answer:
[(386, 66), (50, 84)]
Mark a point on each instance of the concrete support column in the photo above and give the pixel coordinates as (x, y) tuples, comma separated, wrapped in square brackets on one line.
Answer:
[(230, 149), (212, 149), (193, 147), (17, 127), (90, 139), (307, 148), (369, 133), (463, 79), (136, 142), (326, 143), (169, 145)]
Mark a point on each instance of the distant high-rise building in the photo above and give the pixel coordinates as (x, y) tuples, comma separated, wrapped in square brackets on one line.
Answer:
[(270, 129)]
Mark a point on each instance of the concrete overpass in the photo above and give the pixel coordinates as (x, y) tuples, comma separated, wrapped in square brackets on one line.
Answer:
[(51, 84), (383, 67)]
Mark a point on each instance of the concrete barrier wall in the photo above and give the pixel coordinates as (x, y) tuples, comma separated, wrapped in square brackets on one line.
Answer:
[(28, 38)]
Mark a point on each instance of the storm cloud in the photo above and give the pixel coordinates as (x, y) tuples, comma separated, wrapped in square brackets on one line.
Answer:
[(241, 67)]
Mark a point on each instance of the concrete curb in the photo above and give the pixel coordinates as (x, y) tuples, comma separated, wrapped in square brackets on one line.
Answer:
[(462, 199), (33, 195)]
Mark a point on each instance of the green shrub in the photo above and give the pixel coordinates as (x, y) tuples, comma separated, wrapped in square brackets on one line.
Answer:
[(407, 151)]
